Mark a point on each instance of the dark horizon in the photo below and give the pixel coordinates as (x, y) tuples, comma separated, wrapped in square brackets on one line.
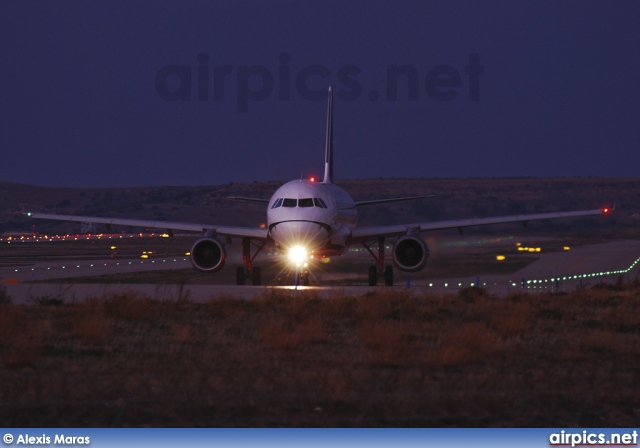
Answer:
[(336, 181)]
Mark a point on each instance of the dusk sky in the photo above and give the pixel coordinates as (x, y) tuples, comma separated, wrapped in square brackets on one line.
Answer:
[(132, 93)]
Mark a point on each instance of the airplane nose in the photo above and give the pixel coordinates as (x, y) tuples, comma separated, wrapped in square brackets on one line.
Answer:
[(307, 234)]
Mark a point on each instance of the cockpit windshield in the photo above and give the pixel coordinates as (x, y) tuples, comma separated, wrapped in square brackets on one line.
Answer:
[(304, 202)]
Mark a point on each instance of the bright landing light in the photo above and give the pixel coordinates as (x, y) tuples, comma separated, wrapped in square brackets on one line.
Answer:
[(298, 254)]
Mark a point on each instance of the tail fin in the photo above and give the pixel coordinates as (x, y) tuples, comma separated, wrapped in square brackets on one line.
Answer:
[(328, 150)]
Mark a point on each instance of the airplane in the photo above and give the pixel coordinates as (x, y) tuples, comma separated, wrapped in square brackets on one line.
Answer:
[(311, 219)]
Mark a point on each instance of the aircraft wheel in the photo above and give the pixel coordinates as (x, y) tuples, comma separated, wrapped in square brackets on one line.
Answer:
[(256, 276), (388, 276), (373, 276), (240, 275)]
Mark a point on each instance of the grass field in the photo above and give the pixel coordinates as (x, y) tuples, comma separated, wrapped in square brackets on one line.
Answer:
[(286, 359)]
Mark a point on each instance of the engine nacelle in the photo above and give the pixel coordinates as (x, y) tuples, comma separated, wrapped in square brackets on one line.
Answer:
[(410, 254), (208, 255)]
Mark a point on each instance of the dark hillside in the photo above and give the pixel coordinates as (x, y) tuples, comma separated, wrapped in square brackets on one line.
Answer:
[(456, 198)]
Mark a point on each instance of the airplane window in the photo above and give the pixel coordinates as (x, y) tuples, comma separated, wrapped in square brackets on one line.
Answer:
[(319, 203), (306, 202), (288, 202), (277, 204), (322, 202)]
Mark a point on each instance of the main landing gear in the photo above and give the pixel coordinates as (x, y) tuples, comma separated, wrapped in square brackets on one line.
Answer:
[(248, 270), (380, 270)]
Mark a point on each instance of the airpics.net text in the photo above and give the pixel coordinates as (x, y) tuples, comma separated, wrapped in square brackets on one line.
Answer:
[(209, 80)]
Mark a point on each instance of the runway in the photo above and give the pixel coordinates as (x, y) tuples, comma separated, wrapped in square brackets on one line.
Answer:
[(582, 266), (56, 269), (557, 271)]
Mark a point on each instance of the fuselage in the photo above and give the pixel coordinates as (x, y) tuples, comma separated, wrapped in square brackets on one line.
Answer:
[(314, 215)]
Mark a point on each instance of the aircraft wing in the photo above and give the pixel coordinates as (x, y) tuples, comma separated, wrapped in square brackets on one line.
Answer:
[(242, 198), (385, 201), (240, 232), (368, 233)]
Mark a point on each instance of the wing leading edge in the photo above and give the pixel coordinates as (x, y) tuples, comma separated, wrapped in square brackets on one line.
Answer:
[(239, 232), (367, 233), (386, 201)]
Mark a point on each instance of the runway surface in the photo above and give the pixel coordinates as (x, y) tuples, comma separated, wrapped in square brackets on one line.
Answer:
[(558, 271), (55, 269)]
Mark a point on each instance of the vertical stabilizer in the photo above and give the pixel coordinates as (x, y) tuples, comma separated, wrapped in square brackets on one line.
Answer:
[(328, 150)]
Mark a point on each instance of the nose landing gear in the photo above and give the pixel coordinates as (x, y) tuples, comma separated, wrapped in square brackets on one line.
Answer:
[(302, 276)]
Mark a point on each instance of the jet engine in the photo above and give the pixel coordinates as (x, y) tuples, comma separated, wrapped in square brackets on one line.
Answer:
[(410, 253), (208, 255)]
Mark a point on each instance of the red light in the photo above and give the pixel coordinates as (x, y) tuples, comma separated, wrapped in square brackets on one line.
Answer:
[(312, 179), (606, 210)]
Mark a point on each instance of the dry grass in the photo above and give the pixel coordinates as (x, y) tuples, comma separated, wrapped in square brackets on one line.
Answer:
[(26, 345), (385, 343), (384, 359), (284, 334), (92, 329), (468, 343), (513, 320)]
